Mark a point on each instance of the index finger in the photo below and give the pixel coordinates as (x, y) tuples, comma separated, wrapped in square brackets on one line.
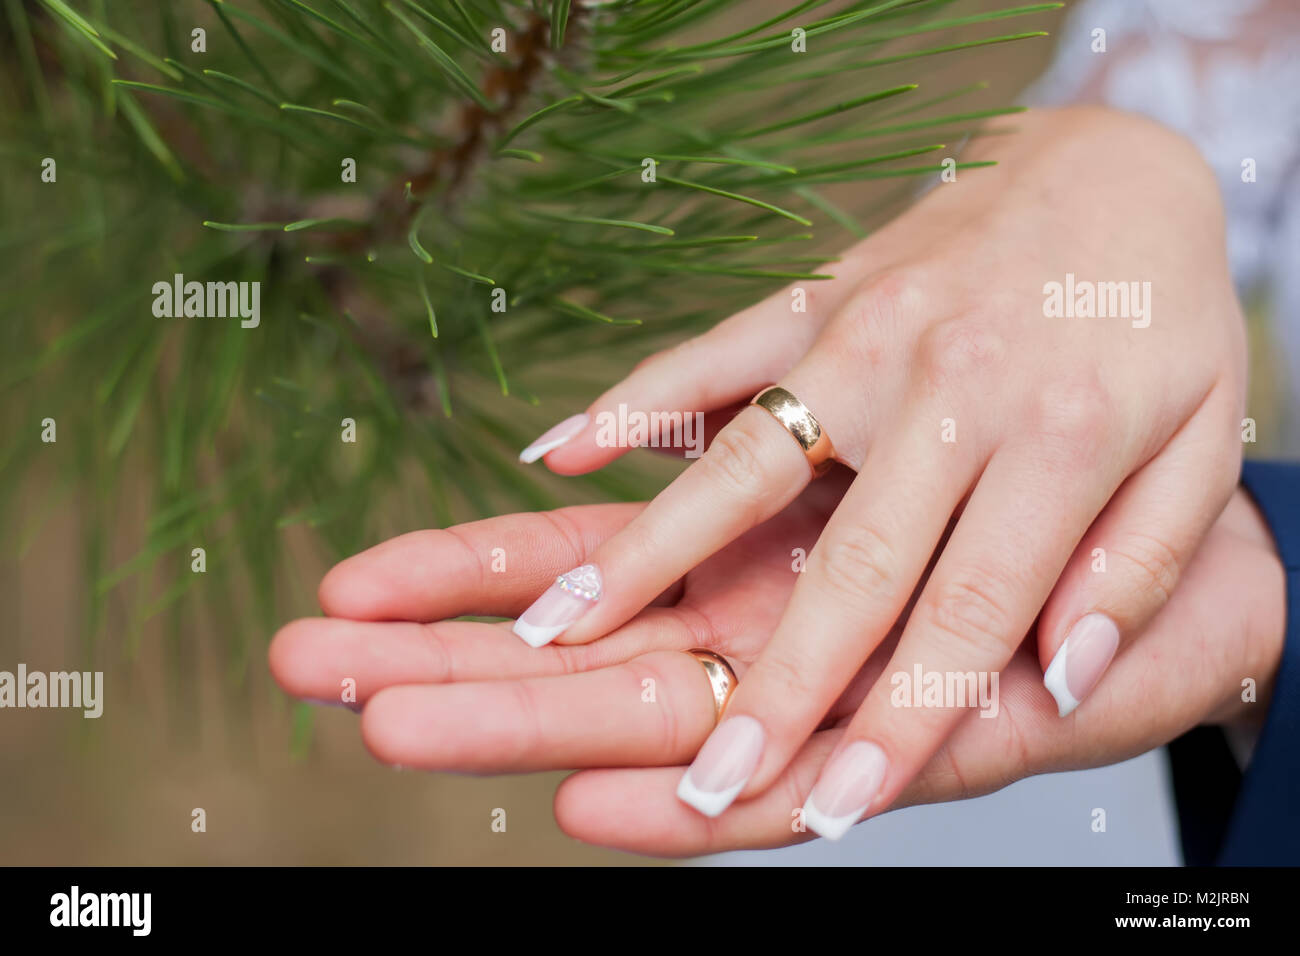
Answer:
[(492, 567)]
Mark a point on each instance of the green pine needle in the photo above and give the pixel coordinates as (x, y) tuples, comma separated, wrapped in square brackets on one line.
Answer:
[(79, 25), (519, 175)]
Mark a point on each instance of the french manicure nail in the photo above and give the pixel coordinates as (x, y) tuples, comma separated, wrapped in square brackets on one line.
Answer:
[(553, 438), (1081, 661), (572, 595), (723, 766), (845, 789)]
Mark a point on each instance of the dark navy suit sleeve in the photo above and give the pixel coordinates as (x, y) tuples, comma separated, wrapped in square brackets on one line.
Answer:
[(1252, 819)]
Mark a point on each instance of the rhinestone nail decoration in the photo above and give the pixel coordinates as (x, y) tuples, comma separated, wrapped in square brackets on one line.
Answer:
[(583, 581)]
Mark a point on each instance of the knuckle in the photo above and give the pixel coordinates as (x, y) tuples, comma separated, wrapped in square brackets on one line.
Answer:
[(473, 557), (947, 764), (981, 772), (882, 303), (641, 542), (969, 615), (787, 675), (575, 658), (958, 351), (527, 735), (895, 293), (671, 732), (734, 462), (1015, 744), (859, 565), (439, 661), (562, 524), (1152, 563), (856, 342), (1077, 413)]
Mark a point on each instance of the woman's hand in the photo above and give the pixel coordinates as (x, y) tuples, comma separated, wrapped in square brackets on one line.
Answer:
[(1226, 623), (464, 696), (1063, 466)]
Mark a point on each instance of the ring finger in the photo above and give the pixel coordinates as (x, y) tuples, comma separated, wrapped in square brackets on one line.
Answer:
[(752, 470), (652, 710)]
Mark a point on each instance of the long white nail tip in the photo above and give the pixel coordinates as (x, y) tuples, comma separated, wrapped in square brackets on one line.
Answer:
[(1054, 681), (538, 636), (828, 827), (708, 803), (723, 766), (572, 595), (553, 438), (1083, 658), (847, 785)]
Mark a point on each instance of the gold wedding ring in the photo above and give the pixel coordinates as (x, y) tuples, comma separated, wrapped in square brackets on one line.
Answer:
[(801, 423), (721, 678)]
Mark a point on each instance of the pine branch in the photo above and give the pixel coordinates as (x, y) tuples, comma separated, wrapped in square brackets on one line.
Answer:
[(529, 170)]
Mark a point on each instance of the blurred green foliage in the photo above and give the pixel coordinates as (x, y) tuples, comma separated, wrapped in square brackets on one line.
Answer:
[(497, 145)]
